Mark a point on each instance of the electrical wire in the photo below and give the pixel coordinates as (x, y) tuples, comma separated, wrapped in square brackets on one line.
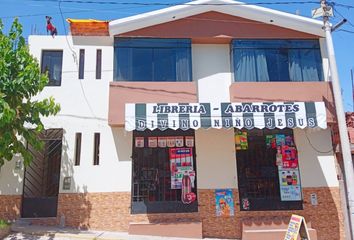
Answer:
[(314, 148), (177, 4)]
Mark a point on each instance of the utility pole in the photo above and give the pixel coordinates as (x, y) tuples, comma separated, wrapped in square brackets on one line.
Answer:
[(343, 131), (351, 77)]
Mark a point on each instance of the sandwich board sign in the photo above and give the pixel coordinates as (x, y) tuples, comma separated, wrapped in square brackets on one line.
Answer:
[(297, 227)]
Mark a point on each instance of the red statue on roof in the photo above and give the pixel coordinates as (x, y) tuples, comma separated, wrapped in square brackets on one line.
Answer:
[(50, 27)]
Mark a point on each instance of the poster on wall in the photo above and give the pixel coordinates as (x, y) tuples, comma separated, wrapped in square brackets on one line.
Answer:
[(224, 203), (162, 142), (289, 157), (139, 142), (152, 142), (181, 163), (290, 188), (189, 141)]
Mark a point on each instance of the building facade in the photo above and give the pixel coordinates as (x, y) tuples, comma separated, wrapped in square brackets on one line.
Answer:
[(204, 119)]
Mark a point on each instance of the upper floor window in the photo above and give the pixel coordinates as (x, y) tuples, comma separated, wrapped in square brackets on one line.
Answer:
[(147, 59), (52, 61), (277, 60)]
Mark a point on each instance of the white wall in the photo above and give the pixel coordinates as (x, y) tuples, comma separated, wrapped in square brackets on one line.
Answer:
[(11, 178), (211, 70), (316, 169), (216, 161), (84, 108)]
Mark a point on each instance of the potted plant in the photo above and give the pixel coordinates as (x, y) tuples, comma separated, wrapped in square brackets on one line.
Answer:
[(5, 228)]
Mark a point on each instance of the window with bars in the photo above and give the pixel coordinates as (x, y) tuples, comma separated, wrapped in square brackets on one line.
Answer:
[(258, 175), (151, 176)]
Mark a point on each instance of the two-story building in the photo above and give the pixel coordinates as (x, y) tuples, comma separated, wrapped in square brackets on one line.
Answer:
[(200, 119)]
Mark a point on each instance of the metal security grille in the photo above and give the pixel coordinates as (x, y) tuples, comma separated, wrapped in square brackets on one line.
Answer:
[(258, 178), (151, 177), (41, 179)]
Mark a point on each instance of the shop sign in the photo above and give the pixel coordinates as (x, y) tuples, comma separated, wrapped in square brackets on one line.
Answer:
[(297, 226), (171, 142), (180, 141), (224, 203), (141, 116)]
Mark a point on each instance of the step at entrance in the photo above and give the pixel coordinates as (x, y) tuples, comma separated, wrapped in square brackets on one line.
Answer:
[(172, 229)]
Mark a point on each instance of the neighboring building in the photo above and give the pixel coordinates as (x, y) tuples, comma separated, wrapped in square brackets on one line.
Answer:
[(165, 115)]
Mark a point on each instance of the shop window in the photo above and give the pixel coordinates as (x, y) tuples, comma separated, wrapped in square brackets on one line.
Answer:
[(164, 167), (267, 169), (148, 59), (277, 60), (52, 65)]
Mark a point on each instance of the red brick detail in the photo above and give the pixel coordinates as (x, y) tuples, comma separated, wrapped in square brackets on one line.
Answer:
[(10, 206), (89, 29), (111, 211)]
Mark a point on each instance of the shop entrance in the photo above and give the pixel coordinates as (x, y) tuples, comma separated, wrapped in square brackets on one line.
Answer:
[(160, 161), (42, 176), (264, 182)]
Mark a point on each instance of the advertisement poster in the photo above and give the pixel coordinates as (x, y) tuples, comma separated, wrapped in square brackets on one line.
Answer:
[(180, 141), (162, 142), (271, 141), (290, 159), (280, 139), (181, 163), (224, 203), (297, 227), (189, 141), (139, 142), (290, 188), (241, 142), (171, 141), (152, 142)]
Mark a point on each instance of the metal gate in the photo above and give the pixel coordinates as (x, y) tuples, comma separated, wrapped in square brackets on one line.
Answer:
[(42, 176)]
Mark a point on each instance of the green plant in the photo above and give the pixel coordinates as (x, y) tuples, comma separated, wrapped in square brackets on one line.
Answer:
[(3, 224), (20, 81)]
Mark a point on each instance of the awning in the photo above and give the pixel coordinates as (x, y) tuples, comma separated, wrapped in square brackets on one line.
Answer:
[(141, 116)]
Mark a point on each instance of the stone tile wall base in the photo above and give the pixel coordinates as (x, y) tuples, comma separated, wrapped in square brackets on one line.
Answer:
[(111, 212), (10, 207)]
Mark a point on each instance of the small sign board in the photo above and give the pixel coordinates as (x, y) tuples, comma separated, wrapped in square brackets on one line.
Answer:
[(297, 227)]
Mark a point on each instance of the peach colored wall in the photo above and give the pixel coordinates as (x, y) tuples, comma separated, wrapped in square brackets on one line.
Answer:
[(285, 91), (214, 27), (121, 93)]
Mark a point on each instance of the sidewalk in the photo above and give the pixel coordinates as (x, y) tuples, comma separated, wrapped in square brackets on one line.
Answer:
[(34, 232)]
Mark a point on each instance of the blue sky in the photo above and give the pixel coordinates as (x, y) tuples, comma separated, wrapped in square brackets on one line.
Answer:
[(32, 15)]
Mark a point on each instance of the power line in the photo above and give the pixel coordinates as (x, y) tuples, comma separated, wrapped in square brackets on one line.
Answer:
[(344, 30), (176, 4)]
